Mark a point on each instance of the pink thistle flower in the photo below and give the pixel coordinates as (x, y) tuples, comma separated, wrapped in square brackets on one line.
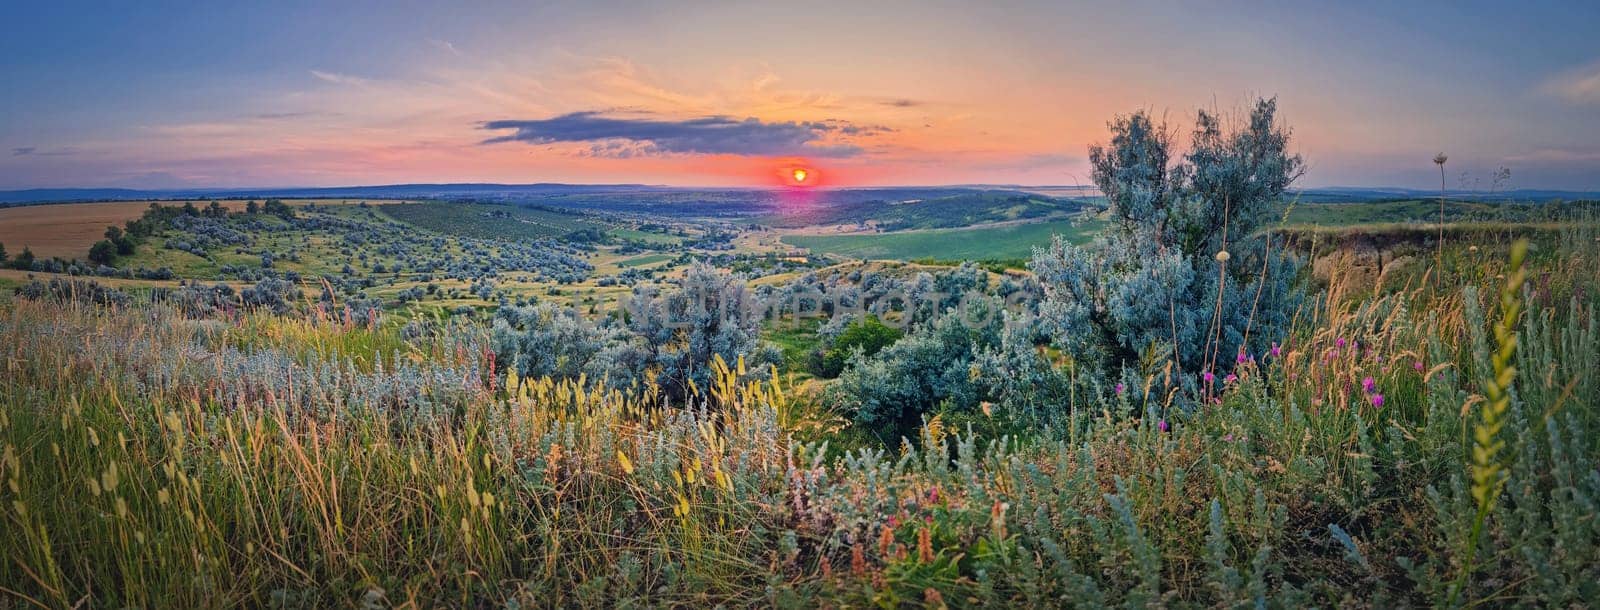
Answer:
[(1208, 377), (1121, 388), (1340, 342), (1368, 385), (1162, 425), (1230, 378), (1417, 365), (1377, 400), (1277, 350), (1241, 358)]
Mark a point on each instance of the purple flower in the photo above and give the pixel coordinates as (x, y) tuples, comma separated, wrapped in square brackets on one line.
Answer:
[(1230, 378), (1240, 358), (1277, 350), (1368, 385), (1340, 342), (1121, 388), (1417, 365), (1162, 425), (1377, 400), (1227, 438), (1208, 377)]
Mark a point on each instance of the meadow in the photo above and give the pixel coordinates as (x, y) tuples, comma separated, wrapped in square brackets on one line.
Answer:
[(489, 221), (295, 461), (1010, 241)]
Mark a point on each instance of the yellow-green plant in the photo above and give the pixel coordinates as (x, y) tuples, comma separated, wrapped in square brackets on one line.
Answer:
[(1488, 462)]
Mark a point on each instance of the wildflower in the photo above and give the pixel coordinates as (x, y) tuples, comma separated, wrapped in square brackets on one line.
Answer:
[(1208, 377), (1162, 425), (1223, 256), (1277, 350), (1377, 400), (1227, 438), (1121, 387), (1368, 385), (1339, 343), (1230, 378), (1417, 366), (1241, 358)]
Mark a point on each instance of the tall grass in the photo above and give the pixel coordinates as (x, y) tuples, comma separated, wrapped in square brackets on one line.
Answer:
[(150, 460)]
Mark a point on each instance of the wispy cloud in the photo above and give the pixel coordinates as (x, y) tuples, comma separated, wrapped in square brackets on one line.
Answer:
[(445, 45), (704, 135), (34, 151), (274, 116), (1557, 155), (1579, 85), (339, 79)]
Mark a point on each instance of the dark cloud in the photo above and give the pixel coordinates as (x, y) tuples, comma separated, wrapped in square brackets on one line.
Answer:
[(902, 103), (33, 151), (706, 135)]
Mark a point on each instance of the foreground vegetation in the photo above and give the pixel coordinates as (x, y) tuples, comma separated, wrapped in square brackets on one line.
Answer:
[(278, 461)]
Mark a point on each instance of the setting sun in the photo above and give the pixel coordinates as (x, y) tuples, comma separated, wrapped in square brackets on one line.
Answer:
[(798, 174)]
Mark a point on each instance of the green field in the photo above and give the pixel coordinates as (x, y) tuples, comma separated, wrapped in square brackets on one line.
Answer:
[(947, 212), (1427, 211), (982, 243), (648, 259), (481, 221)]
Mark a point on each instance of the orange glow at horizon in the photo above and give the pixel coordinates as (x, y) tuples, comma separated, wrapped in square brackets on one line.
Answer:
[(798, 174)]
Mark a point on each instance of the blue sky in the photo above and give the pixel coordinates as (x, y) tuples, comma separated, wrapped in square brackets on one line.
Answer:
[(321, 93)]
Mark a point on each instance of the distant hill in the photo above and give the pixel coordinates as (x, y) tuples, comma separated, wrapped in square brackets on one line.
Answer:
[(1356, 194)]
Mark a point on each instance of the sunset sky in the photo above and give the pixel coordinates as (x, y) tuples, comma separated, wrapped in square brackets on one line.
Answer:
[(162, 95)]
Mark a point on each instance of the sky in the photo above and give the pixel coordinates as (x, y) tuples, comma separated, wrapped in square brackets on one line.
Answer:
[(325, 93)]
